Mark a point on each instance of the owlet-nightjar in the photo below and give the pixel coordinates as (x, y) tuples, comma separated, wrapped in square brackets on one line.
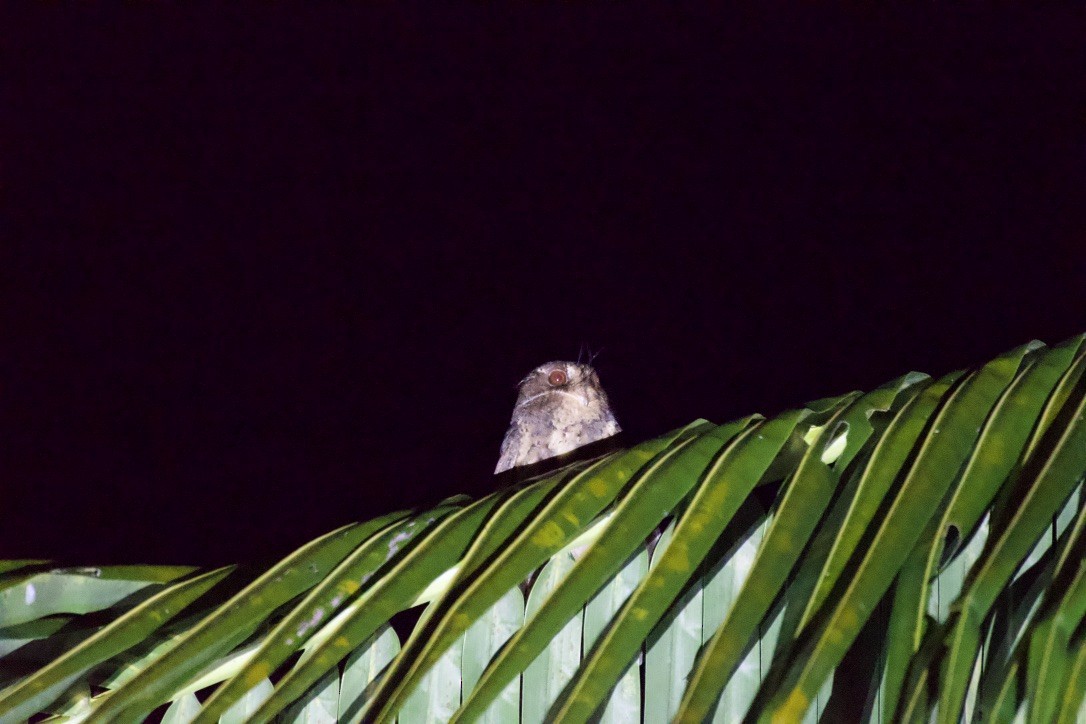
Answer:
[(560, 407)]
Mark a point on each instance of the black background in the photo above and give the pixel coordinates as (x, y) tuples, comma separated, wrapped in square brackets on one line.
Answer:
[(271, 271)]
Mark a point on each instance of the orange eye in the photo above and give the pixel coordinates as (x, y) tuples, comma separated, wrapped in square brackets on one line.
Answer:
[(557, 377)]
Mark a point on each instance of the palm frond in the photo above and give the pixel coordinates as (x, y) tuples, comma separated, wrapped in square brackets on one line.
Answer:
[(913, 552)]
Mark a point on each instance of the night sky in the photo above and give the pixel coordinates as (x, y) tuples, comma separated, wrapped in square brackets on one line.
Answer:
[(267, 272)]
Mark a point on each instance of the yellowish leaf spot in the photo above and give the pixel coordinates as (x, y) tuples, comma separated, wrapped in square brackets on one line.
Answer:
[(677, 559), (549, 536), (598, 486), (258, 673), (793, 710)]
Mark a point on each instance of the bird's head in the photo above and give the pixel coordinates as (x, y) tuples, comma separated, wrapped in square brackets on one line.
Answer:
[(568, 382)]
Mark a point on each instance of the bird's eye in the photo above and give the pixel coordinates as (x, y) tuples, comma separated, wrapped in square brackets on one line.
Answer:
[(557, 377)]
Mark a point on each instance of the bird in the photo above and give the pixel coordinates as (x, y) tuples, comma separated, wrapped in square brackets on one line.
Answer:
[(560, 407)]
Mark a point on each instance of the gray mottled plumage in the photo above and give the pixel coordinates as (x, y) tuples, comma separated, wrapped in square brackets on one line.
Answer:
[(560, 407)]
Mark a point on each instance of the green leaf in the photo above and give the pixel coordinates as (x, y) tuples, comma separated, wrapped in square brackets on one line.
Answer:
[(945, 448), (77, 590), (35, 692), (383, 537), (721, 587), (805, 498), (624, 704), (231, 624), (18, 567), (548, 671), (56, 631), (1052, 473), (438, 694), (1050, 653), (242, 709), (889, 456), (964, 494), (182, 710), (722, 488), (318, 706), (1004, 435), (485, 637), (422, 651), (659, 486), (670, 653), (1073, 700), (361, 671), (565, 515), (437, 549)]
